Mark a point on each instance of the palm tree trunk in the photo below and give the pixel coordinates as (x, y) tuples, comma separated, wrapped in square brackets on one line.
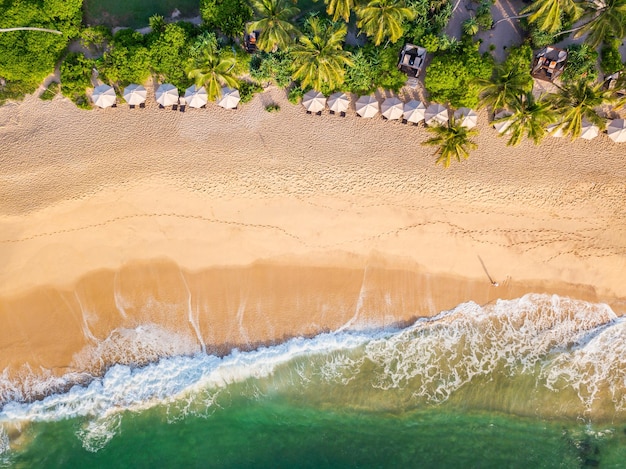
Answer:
[(54, 31)]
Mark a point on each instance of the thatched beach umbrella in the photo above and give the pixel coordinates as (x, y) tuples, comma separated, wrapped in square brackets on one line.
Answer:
[(366, 106), (338, 102), (392, 108), (167, 94), (616, 130), (502, 126), (589, 131), (229, 98), (196, 97), (314, 101), (467, 117), (135, 94), (436, 114), (103, 96), (414, 111), (556, 130)]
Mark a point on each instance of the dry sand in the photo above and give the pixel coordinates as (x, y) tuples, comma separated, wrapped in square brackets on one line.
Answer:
[(126, 235)]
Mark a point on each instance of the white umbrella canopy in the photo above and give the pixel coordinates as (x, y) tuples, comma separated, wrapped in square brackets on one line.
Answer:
[(467, 117), (314, 101), (338, 102), (616, 130), (436, 114), (392, 108), (135, 94), (502, 127), (229, 99), (366, 106), (103, 96), (167, 94), (552, 130), (589, 131), (414, 111), (196, 97)]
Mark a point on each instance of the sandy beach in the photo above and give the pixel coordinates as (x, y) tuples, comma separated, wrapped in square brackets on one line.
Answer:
[(126, 235)]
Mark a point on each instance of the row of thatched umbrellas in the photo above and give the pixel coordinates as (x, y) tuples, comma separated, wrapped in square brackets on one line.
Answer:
[(391, 109), (615, 129), (166, 95)]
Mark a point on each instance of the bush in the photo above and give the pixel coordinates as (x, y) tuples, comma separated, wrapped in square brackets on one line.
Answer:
[(272, 108), (295, 95), (271, 67), (581, 63), (248, 89), (127, 61), (96, 37), (610, 58), (76, 72), (540, 39), (374, 68), (431, 17), (168, 54), (50, 92), (483, 15), (451, 76), (229, 16)]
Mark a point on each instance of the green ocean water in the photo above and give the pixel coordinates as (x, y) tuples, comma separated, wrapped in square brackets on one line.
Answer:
[(538, 382)]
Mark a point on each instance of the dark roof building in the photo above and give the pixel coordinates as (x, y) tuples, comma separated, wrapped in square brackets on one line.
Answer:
[(411, 59), (549, 63)]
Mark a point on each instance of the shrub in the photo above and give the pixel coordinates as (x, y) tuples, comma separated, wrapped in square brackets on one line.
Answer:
[(76, 72), (484, 19), (96, 37), (50, 92), (610, 58), (168, 53), (374, 68), (295, 95), (127, 61), (248, 89), (581, 63), (272, 107), (229, 16), (271, 67)]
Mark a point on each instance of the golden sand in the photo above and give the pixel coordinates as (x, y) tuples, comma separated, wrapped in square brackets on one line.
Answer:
[(234, 228)]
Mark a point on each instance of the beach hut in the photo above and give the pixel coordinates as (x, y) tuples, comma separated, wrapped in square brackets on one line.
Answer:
[(314, 102), (414, 111), (229, 98), (502, 126), (196, 97), (167, 95), (556, 130), (338, 102), (436, 114), (392, 108), (589, 131), (366, 106), (616, 130), (103, 96), (467, 117), (134, 94)]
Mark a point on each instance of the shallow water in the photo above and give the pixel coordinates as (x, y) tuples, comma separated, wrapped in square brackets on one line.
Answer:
[(534, 382)]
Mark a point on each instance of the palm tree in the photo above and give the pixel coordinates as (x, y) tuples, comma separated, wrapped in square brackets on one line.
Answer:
[(608, 19), (319, 60), (212, 71), (340, 9), (470, 26), (578, 100), (530, 117), (547, 13), (383, 18), (504, 87), (276, 30), (453, 141)]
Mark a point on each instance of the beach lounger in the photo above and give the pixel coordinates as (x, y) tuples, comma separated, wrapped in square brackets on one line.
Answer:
[(114, 105), (331, 112), (142, 106), (161, 106), (132, 106), (318, 113), (182, 108), (309, 112), (342, 114), (404, 121), (174, 107)]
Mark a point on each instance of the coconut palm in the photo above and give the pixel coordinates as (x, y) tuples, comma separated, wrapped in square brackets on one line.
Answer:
[(453, 141), (504, 87), (383, 19), (579, 100), (276, 30), (548, 13), (529, 118), (212, 71), (339, 9), (608, 19), (470, 26), (319, 59)]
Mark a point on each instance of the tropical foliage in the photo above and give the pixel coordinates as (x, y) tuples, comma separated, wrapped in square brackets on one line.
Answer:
[(578, 100), (127, 60), (548, 14), (340, 9), (383, 19), (319, 60), (529, 118), (581, 63), (373, 68), (453, 76), (453, 142), (212, 70), (272, 67), (229, 16), (607, 21), (611, 59), (76, 72), (277, 31), (169, 52)]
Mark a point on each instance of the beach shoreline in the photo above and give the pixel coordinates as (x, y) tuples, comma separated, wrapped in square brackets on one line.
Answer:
[(254, 227)]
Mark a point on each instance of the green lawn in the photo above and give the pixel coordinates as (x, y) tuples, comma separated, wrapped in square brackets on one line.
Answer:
[(134, 13)]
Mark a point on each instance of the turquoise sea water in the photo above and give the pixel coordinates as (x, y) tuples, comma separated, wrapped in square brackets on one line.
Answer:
[(534, 382)]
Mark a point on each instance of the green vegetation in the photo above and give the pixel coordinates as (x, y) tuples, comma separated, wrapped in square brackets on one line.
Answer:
[(549, 14), (383, 19), (213, 69), (374, 68), (134, 13), (453, 142), (483, 19), (581, 64), (277, 31), (76, 72), (529, 118), (274, 67), (227, 16), (50, 92), (610, 58), (127, 60), (339, 9), (247, 90), (606, 20), (168, 52), (272, 107), (453, 75)]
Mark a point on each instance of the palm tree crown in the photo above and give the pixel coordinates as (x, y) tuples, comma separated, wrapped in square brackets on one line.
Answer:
[(529, 117), (212, 71), (383, 18), (608, 19), (453, 141), (577, 100), (503, 89), (319, 59), (339, 9), (547, 13), (276, 30)]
